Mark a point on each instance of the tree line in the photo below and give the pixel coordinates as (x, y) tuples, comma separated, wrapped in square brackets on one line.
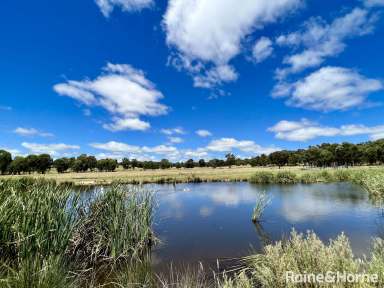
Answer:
[(323, 155)]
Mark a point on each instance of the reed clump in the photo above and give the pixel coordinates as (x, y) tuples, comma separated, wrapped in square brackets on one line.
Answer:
[(48, 237), (115, 226), (262, 201), (37, 219)]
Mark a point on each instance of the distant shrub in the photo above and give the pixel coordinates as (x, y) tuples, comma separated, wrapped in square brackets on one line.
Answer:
[(342, 175), (262, 177), (326, 176), (286, 177), (308, 178)]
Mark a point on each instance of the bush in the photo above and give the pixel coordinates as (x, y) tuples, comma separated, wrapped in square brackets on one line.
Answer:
[(308, 178), (325, 176), (286, 177), (262, 177)]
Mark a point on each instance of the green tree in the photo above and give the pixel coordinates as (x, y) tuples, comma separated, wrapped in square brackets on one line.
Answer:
[(43, 163), (91, 163), (32, 163), (62, 164), (189, 163), (230, 159), (279, 158), (5, 160), (77, 166), (165, 164), (106, 164), (135, 164), (18, 165), (126, 163), (202, 163)]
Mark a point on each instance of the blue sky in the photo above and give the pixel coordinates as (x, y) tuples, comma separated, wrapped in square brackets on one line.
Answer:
[(183, 79)]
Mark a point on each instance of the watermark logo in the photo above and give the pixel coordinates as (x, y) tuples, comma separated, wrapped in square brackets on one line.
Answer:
[(330, 277)]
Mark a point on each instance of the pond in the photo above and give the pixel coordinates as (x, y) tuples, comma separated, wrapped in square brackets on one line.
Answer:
[(206, 222), (209, 221)]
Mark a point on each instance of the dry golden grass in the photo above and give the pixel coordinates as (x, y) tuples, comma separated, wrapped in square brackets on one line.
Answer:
[(170, 175)]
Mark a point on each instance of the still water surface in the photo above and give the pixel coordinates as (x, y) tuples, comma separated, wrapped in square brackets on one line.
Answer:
[(209, 221)]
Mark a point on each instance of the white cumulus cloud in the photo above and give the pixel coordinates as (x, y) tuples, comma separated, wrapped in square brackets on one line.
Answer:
[(229, 144), (210, 33), (121, 124), (123, 91), (328, 89)]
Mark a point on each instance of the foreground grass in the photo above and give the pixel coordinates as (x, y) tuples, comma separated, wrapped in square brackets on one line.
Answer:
[(300, 254), (48, 238), (306, 254)]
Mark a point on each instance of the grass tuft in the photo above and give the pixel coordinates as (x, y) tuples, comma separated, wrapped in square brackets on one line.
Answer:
[(263, 200)]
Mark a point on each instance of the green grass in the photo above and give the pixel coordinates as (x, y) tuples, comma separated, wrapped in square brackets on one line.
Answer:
[(47, 237)]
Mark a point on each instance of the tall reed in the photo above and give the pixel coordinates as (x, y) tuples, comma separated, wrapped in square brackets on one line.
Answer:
[(117, 225), (37, 219)]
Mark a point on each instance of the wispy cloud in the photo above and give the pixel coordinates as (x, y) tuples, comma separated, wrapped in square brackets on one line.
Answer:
[(54, 149), (175, 140), (305, 130), (374, 3), (262, 49), (203, 133), (31, 132), (319, 40), (107, 6), (172, 131)]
